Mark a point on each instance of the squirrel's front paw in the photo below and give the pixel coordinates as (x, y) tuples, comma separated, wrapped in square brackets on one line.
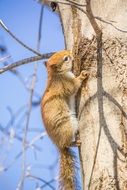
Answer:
[(84, 74)]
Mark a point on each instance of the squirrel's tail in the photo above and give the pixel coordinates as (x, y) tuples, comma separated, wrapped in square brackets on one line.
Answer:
[(67, 170)]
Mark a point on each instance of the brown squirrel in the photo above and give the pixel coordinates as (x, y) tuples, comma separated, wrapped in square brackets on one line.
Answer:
[(58, 111)]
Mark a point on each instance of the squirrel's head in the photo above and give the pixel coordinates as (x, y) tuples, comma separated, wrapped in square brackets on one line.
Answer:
[(60, 62)]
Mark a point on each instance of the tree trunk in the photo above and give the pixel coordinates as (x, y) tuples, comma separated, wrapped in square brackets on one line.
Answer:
[(102, 101)]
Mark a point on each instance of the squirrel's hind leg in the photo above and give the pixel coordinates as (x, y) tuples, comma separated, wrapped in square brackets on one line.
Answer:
[(64, 136)]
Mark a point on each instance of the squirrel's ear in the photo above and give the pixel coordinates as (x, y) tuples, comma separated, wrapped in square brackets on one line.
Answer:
[(51, 64)]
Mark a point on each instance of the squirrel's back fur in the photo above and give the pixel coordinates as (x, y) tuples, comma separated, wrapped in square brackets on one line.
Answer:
[(58, 112)]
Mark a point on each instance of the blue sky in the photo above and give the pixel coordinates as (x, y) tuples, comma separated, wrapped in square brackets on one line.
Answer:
[(22, 18)]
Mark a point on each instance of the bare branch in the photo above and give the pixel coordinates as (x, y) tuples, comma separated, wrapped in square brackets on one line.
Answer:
[(77, 4), (42, 180), (29, 144), (92, 20), (65, 2), (19, 41), (72, 3), (19, 155), (98, 33), (79, 7), (40, 136), (40, 27), (4, 58), (60, 2), (33, 82), (25, 61), (110, 23)]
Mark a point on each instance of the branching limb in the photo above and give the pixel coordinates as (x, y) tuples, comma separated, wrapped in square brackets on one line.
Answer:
[(4, 58), (19, 41), (80, 7), (25, 61), (77, 4), (28, 144), (92, 20), (66, 2), (33, 82), (42, 180), (98, 33), (38, 137)]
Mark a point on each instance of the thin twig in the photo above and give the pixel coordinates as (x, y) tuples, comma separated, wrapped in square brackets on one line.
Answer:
[(19, 41), (14, 116), (77, 4), (40, 136), (33, 82), (28, 144), (98, 33), (42, 180), (25, 61), (92, 20), (40, 28), (65, 2), (18, 74), (51, 181), (79, 7), (2, 59)]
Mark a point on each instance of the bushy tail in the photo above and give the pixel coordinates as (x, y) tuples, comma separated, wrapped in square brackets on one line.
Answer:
[(67, 170)]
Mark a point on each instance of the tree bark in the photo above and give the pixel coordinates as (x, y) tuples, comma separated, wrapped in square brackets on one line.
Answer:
[(102, 101)]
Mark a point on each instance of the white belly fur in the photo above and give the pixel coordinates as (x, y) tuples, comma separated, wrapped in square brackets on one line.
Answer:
[(73, 119)]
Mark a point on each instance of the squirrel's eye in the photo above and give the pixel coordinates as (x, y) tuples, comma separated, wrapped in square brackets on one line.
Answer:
[(66, 58)]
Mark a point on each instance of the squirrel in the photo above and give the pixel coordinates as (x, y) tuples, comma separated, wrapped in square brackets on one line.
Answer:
[(58, 111)]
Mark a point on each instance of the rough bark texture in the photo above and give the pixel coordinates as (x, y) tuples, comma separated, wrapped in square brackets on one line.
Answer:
[(102, 116)]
